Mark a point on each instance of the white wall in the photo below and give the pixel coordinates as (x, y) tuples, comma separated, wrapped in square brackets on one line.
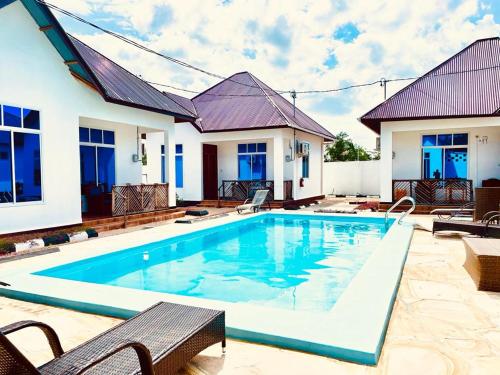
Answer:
[(313, 186), (33, 75), (404, 138), (351, 177)]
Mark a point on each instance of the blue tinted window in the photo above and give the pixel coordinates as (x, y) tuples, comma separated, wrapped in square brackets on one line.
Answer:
[(178, 149), (444, 139), (432, 159), (455, 163), (95, 135), (88, 165), (106, 167), (27, 167), (6, 193), (429, 140), (163, 177), (162, 150), (258, 167), (461, 139), (242, 148), (84, 135), (261, 147), (11, 116), (244, 167), (179, 172), (305, 166), (108, 137), (31, 119), (252, 147)]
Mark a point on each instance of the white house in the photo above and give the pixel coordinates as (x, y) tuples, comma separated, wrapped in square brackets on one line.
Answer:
[(70, 123), (247, 137), (440, 135)]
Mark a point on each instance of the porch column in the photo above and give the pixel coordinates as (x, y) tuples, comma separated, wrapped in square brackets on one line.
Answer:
[(385, 164), (278, 163), (170, 165)]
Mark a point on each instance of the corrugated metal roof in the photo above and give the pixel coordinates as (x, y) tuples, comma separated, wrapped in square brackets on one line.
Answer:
[(243, 102), (466, 85), (123, 87)]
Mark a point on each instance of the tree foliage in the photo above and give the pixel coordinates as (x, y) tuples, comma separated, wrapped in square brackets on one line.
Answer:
[(344, 149)]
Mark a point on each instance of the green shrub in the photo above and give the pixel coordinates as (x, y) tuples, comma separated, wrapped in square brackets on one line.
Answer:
[(55, 239), (7, 247), (91, 232)]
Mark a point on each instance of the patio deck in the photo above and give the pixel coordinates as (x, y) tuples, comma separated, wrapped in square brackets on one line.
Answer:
[(440, 325)]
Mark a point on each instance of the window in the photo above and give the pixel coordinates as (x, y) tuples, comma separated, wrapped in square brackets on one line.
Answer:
[(97, 158), (444, 155), (20, 163), (305, 166), (179, 168), (252, 161)]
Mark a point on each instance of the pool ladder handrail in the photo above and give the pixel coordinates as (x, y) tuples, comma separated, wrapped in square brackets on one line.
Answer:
[(405, 213)]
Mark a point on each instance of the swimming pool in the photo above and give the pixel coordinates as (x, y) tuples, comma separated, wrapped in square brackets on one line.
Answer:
[(324, 284)]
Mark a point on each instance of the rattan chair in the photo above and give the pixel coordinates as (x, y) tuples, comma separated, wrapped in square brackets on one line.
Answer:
[(160, 340), (489, 226)]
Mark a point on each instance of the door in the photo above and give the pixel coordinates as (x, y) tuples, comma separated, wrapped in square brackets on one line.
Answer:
[(210, 172)]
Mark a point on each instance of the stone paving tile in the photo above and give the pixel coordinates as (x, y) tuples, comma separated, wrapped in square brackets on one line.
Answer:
[(440, 325)]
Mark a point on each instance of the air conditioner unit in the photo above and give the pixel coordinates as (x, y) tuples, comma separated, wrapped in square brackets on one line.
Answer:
[(303, 148)]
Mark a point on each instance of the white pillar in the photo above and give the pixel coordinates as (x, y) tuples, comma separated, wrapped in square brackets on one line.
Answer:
[(170, 165), (278, 162), (385, 164)]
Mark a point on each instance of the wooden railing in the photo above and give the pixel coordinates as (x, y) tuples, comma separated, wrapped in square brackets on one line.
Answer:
[(434, 192), (240, 190), (131, 199)]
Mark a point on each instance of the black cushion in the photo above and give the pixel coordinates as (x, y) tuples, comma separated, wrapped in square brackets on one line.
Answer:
[(197, 212)]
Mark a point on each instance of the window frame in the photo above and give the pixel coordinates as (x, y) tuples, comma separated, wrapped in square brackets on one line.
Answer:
[(96, 145), (22, 129), (304, 157), (452, 146), (256, 152)]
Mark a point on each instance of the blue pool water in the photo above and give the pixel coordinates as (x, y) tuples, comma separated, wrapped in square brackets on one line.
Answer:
[(293, 262)]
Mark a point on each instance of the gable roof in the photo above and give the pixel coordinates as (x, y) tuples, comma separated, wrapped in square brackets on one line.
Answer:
[(114, 83), (465, 85), (243, 102)]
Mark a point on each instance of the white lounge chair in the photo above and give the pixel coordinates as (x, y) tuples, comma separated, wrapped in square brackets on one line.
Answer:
[(258, 200)]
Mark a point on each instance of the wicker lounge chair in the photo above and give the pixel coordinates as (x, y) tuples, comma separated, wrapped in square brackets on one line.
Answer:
[(483, 262), (160, 340), (489, 226), (258, 200)]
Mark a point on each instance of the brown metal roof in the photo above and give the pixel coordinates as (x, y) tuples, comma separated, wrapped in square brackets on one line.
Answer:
[(122, 87), (243, 102), (465, 85)]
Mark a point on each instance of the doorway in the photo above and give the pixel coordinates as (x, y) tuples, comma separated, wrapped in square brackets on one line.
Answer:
[(210, 172)]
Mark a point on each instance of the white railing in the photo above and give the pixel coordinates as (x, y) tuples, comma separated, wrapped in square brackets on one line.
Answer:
[(405, 213)]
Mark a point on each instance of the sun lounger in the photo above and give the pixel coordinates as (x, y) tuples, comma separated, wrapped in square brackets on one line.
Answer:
[(467, 210), (258, 200), (483, 262), (488, 227), (159, 340)]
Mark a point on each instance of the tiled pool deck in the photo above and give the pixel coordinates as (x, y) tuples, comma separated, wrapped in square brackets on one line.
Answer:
[(440, 325)]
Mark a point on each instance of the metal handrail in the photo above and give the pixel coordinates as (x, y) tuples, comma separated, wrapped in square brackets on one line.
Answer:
[(405, 213)]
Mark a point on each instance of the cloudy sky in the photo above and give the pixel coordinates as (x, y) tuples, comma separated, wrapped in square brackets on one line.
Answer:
[(302, 45)]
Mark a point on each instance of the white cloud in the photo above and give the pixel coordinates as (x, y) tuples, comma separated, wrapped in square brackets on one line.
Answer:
[(397, 38)]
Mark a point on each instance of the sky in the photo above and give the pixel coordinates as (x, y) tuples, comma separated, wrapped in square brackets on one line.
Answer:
[(301, 45)]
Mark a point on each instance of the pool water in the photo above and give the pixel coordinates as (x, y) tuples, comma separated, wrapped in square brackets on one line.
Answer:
[(294, 262)]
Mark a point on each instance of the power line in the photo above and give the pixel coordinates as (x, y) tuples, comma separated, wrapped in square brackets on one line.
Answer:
[(140, 46), (381, 81)]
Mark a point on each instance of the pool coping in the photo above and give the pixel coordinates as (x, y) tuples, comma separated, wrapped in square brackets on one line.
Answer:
[(353, 330)]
